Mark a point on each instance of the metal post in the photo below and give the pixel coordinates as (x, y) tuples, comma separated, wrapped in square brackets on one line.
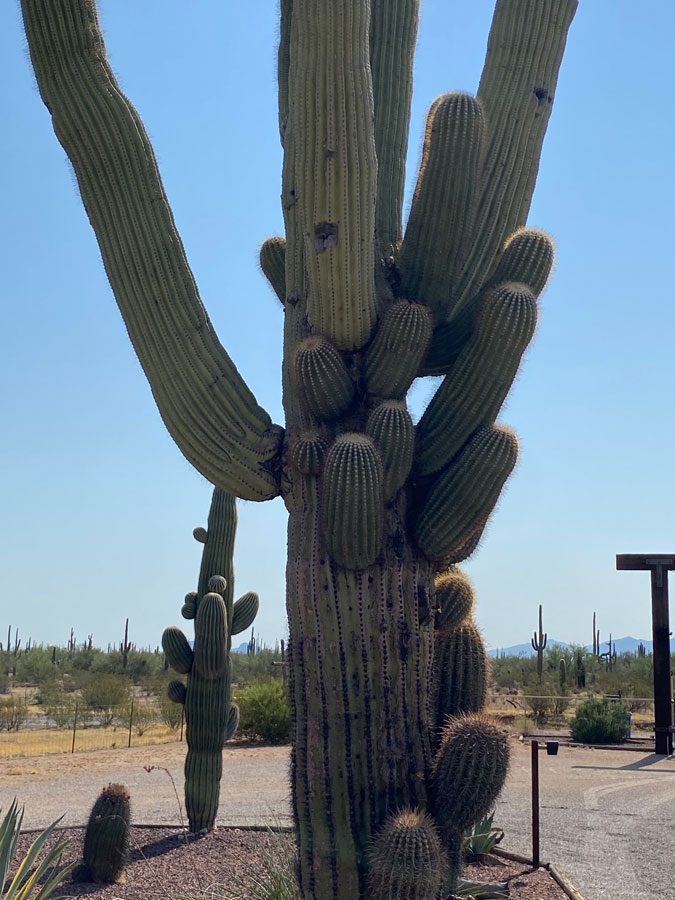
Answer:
[(535, 803), (72, 749), (663, 713), (131, 717)]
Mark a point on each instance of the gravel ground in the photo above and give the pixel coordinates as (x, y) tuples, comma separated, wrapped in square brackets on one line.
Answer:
[(165, 865), (607, 816)]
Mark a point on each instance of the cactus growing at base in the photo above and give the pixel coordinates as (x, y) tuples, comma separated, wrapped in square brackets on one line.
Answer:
[(405, 860), (365, 539), (538, 642), (106, 839), (210, 716)]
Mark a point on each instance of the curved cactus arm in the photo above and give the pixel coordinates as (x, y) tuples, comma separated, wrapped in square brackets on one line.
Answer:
[(393, 32), (516, 90), (206, 405), (273, 264)]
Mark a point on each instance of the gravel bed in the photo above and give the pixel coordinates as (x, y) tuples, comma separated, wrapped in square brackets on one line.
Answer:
[(165, 863)]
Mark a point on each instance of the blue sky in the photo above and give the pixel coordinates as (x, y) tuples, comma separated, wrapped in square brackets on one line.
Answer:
[(97, 504)]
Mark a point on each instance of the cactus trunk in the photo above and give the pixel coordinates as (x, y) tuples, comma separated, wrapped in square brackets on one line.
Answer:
[(359, 655)]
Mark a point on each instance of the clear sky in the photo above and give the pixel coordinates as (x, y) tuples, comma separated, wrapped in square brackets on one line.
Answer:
[(97, 504)]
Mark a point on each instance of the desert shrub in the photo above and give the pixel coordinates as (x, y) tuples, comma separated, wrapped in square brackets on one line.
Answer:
[(107, 697), (540, 699), (264, 713), (58, 704), (599, 721), (169, 713), (145, 715), (13, 713), (249, 668)]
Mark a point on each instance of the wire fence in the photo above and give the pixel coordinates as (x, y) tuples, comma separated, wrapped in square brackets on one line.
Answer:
[(68, 729)]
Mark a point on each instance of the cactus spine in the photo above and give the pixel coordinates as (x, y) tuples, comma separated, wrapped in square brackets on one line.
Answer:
[(538, 642), (210, 716), (365, 539), (106, 840)]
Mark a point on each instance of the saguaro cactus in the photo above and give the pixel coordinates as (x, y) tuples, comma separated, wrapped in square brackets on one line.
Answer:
[(538, 641), (373, 515), (210, 716)]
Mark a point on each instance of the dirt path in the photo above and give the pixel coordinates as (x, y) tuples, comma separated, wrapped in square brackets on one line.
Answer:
[(254, 789), (607, 817)]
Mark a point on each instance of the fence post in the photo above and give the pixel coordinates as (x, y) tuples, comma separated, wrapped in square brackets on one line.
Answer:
[(72, 749), (535, 804), (131, 719)]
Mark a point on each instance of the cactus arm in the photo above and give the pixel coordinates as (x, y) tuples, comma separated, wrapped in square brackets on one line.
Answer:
[(205, 404), (472, 394), (517, 88), (393, 32), (441, 218), (283, 63), (330, 168), (273, 264)]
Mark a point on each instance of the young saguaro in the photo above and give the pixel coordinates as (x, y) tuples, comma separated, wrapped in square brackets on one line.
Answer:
[(376, 508)]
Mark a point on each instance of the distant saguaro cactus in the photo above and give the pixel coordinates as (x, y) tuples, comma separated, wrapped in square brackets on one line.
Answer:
[(377, 506), (210, 716), (538, 642)]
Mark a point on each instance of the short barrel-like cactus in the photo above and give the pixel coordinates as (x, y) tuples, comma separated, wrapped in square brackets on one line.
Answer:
[(406, 860), (106, 839)]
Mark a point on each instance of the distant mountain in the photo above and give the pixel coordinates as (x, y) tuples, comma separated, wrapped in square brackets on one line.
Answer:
[(525, 649), (623, 645), (243, 648)]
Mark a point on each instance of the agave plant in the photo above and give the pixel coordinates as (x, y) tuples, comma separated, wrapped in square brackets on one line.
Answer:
[(30, 882)]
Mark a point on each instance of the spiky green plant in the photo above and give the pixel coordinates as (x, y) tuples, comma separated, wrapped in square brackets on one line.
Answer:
[(210, 716), (106, 839), (366, 311), (32, 879)]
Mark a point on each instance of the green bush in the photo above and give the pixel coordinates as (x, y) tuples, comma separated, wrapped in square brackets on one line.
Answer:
[(107, 697), (599, 721), (264, 713), (13, 713)]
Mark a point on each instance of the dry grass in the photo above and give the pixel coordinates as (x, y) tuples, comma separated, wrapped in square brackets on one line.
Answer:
[(39, 741)]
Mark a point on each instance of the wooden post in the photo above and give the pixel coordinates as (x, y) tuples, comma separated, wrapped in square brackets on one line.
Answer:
[(72, 749), (658, 566), (131, 717), (535, 803)]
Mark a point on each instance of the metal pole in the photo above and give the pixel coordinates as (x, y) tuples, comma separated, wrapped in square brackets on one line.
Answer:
[(131, 717), (663, 714), (72, 749), (535, 803)]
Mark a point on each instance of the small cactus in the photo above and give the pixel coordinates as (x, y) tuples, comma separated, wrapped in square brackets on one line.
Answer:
[(210, 716), (106, 840), (405, 859)]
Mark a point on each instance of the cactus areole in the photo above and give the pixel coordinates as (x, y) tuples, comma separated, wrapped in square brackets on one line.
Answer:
[(376, 509)]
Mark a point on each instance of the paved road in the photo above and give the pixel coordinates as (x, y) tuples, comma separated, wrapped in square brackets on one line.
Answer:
[(254, 789), (607, 816), (607, 819)]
